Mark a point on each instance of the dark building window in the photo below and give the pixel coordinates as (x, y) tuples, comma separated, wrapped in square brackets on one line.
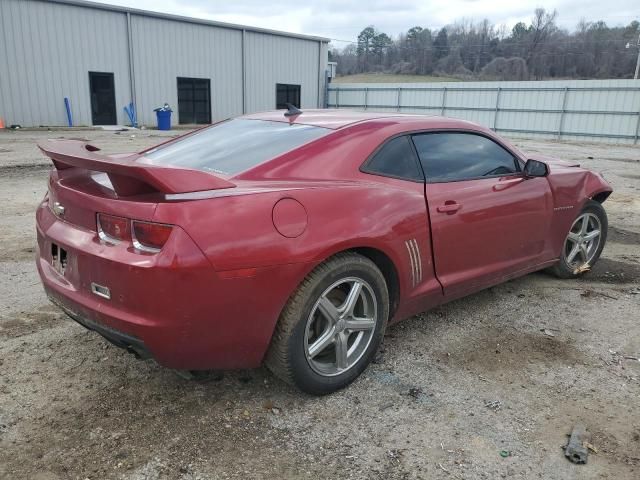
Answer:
[(286, 93), (194, 100)]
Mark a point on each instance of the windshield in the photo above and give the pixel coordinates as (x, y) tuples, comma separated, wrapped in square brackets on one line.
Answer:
[(234, 146)]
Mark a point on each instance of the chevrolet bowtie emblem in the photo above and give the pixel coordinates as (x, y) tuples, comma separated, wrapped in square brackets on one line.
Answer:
[(58, 209)]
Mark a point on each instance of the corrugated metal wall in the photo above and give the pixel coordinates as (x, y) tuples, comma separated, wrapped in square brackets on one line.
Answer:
[(166, 49), (47, 53), (593, 110), (272, 60), (47, 50)]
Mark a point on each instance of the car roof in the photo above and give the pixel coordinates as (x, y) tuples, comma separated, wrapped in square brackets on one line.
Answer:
[(339, 118)]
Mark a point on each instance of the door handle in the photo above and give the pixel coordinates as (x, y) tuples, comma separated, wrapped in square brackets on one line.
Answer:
[(504, 184), (449, 207)]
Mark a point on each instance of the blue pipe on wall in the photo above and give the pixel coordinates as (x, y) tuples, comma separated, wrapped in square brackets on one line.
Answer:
[(67, 105), (131, 113)]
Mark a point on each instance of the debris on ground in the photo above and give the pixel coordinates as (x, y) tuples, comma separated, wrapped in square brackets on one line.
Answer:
[(589, 293), (585, 267), (270, 407), (505, 453), (591, 447), (548, 332), (619, 356), (415, 392), (394, 455), (576, 449), (494, 405)]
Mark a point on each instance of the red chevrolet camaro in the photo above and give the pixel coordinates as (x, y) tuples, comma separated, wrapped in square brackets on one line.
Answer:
[(294, 238)]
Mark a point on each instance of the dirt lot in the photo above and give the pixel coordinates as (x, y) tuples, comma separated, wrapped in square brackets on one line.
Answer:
[(71, 406)]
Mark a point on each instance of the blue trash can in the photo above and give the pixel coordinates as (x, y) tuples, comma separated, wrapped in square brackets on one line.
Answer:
[(164, 119)]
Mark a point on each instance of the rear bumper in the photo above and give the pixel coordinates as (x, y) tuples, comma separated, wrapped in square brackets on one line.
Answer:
[(119, 339), (171, 306)]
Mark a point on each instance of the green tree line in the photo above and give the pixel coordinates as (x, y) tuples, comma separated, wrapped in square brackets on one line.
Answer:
[(466, 49)]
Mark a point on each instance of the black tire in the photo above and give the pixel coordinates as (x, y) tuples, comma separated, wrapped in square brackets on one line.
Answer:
[(563, 269), (287, 354)]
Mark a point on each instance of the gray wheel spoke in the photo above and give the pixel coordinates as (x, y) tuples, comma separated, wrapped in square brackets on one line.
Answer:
[(573, 253), (591, 235), (585, 225), (328, 310), (326, 339), (584, 253), (342, 351), (573, 237), (352, 299), (356, 324)]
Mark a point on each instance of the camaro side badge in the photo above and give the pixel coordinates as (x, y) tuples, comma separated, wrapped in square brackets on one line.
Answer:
[(563, 208)]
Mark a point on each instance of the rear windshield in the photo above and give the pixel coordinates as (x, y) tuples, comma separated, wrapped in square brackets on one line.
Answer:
[(234, 146)]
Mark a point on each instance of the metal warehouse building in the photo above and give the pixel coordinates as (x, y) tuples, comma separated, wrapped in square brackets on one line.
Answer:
[(103, 57)]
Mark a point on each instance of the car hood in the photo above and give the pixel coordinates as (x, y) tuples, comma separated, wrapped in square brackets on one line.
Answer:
[(553, 161)]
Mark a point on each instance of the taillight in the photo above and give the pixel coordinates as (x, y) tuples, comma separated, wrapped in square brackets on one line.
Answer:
[(150, 237), (145, 236), (113, 229)]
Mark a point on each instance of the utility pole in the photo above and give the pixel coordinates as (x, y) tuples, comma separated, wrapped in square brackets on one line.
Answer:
[(638, 62)]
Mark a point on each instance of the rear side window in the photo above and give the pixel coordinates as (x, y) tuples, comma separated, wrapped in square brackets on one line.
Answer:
[(234, 146), (462, 156), (395, 159)]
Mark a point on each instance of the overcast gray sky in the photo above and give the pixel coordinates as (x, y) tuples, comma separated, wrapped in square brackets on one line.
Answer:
[(344, 19)]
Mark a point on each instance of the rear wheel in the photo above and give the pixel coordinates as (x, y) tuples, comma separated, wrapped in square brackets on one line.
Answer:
[(584, 242), (332, 326)]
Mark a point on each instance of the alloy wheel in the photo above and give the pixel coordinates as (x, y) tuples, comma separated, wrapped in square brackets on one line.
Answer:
[(583, 240), (341, 326)]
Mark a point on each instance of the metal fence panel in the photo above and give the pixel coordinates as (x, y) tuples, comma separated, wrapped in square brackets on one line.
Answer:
[(588, 110)]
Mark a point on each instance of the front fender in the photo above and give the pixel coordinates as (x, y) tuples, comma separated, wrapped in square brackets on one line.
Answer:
[(572, 188), (596, 187)]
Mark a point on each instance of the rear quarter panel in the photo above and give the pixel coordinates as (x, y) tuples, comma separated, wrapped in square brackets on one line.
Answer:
[(237, 232)]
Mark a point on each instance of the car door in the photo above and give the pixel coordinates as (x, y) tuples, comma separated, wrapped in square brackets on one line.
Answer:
[(395, 164), (487, 220)]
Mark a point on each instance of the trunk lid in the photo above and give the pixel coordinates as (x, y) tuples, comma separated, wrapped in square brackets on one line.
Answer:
[(86, 182), (130, 174)]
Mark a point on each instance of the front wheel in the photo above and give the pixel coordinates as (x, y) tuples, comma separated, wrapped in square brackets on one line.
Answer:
[(584, 242), (332, 326)]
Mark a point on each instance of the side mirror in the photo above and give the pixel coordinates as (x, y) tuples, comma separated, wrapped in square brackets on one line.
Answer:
[(534, 168)]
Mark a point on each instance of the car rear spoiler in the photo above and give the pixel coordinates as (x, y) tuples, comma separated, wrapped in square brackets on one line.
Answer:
[(127, 174)]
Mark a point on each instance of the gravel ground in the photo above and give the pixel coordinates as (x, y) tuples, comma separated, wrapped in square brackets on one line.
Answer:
[(72, 406)]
